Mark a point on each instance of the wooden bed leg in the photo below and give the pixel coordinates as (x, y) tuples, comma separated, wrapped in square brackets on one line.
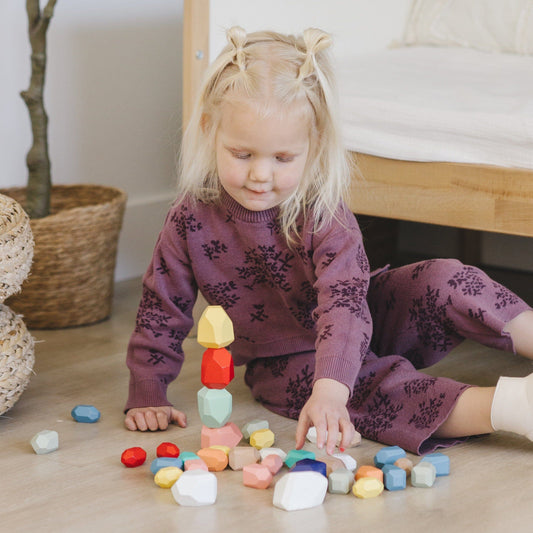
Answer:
[(470, 246)]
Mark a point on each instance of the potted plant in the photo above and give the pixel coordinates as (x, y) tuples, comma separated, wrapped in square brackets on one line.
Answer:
[(75, 227)]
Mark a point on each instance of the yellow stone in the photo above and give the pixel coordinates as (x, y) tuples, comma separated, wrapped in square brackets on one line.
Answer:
[(225, 449), (367, 487), (167, 476), (262, 438), (215, 329)]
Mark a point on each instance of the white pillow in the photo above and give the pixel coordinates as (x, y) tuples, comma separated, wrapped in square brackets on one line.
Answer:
[(489, 25)]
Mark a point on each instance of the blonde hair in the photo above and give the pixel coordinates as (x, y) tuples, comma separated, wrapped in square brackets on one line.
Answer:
[(274, 70)]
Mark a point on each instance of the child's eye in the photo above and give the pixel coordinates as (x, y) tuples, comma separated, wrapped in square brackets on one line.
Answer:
[(241, 155), (284, 159)]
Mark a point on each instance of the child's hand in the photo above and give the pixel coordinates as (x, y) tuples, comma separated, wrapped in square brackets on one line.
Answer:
[(154, 418), (326, 410)]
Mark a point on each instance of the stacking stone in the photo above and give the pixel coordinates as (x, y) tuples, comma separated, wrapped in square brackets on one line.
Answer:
[(195, 488), (214, 406), (423, 474), (262, 438), (253, 426), (257, 476), (367, 487), (215, 329), (167, 476), (340, 481), (217, 368), (240, 456), (133, 457), (165, 462), (87, 414), (167, 449), (229, 435), (45, 441), (300, 490), (216, 459), (440, 461)]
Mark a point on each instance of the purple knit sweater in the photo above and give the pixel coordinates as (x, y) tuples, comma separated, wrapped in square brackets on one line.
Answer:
[(281, 300)]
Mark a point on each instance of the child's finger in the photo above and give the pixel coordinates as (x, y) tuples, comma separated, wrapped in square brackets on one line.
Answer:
[(301, 431), (347, 432), (177, 417), (332, 434)]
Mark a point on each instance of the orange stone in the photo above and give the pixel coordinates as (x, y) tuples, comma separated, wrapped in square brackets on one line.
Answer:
[(369, 471), (257, 476), (217, 368), (405, 464), (215, 458)]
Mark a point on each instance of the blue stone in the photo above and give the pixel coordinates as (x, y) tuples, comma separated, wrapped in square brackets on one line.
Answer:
[(394, 477), (162, 462), (87, 414), (388, 456), (440, 461), (310, 465)]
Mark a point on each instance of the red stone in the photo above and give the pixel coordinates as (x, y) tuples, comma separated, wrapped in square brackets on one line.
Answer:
[(167, 449), (217, 368), (133, 457)]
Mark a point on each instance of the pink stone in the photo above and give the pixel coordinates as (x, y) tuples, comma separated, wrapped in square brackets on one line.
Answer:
[(229, 435), (257, 476), (273, 462)]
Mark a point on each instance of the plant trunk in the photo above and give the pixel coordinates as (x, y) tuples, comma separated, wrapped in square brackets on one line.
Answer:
[(39, 179)]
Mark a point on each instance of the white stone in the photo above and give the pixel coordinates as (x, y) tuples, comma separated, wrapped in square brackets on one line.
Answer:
[(195, 488), (45, 441), (349, 462), (254, 425), (311, 437), (272, 451), (300, 490)]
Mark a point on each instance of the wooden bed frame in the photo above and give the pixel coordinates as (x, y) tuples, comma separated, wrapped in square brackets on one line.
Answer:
[(473, 197)]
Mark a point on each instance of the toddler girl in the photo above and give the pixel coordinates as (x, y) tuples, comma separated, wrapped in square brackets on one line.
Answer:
[(260, 228)]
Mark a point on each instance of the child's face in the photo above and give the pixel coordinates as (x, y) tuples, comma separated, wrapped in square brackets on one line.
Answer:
[(261, 159)]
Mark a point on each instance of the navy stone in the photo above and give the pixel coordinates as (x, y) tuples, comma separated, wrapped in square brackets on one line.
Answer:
[(310, 465)]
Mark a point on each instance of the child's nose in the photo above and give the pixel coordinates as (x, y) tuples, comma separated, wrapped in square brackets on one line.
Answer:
[(261, 171)]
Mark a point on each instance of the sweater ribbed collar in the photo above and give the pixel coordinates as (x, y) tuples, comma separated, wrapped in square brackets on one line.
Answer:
[(245, 215)]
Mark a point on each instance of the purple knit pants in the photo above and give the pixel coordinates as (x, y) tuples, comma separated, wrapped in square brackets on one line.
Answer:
[(420, 313)]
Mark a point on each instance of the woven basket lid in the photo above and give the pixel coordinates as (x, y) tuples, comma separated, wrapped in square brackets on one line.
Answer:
[(16, 357), (16, 246)]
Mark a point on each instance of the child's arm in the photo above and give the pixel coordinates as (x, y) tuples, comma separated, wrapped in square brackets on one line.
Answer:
[(326, 410), (154, 418)]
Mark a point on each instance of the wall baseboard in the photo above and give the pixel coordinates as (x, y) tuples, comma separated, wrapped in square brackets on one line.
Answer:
[(143, 220)]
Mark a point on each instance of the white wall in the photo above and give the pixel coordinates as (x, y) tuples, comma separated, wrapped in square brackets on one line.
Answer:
[(113, 96)]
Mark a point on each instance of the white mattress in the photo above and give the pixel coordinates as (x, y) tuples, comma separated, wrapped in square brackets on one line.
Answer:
[(439, 104)]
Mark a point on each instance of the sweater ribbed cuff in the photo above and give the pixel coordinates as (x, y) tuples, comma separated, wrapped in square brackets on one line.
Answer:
[(146, 393), (343, 370)]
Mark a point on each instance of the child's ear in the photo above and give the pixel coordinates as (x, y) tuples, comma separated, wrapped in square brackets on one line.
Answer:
[(205, 123)]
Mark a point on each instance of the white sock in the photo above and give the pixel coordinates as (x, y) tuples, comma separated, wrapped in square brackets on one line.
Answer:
[(512, 406)]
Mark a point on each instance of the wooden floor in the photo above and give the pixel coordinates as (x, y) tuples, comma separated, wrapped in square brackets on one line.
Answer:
[(84, 487)]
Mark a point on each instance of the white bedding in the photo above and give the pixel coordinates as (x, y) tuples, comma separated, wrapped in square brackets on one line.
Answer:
[(439, 104)]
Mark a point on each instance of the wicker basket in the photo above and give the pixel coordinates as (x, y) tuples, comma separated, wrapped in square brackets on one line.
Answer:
[(16, 247), (71, 281), (16, 358)]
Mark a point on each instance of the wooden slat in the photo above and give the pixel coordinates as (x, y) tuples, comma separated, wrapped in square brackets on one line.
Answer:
[(195, 51), (452, 194)]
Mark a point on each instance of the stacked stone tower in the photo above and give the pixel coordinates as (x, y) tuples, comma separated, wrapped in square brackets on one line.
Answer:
[(215, 403)]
